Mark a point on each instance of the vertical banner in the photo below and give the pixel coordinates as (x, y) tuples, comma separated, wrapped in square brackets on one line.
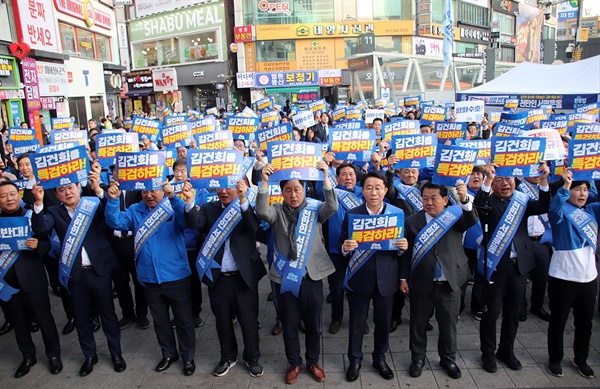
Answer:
[(32, 92), (517, 156)]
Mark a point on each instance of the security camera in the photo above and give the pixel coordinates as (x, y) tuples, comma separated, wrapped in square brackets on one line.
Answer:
[(547, 14), (569, 50)]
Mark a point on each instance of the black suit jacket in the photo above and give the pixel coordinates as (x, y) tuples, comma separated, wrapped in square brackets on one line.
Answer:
[(523, 245), (321, 133), (95, 242), (242, 241), (380, 271), (28, 272), (448, 251)]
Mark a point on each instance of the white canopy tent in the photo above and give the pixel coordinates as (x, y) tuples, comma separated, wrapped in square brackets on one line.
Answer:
[(562, 86)]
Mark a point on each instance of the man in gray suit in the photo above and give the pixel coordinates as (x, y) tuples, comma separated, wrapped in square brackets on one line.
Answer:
[(300, 265)]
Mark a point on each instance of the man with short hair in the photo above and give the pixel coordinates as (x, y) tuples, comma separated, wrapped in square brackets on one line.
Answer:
[(377, 279), (162, 266), (436, 268)]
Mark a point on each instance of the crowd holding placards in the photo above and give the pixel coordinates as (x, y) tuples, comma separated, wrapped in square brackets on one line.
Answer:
[(389, 203)]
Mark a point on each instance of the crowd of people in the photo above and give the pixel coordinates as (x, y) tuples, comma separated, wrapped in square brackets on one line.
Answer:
[(92, 240)]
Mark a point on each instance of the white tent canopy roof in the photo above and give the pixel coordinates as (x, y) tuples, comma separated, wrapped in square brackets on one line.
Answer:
[(575, 78)]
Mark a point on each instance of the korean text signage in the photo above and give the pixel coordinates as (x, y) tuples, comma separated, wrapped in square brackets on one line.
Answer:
[(147, 7), (275, 8), (164, 80), (84, 10), (242, 34), (178, 22), (36, 19), (333, 30), (140, 80), (30, 80), (297, 78), (473, 34), (8, 73), (53, 80)]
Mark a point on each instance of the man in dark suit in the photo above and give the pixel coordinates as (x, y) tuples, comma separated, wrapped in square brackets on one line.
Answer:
[(322, 128), (90, 283), (27, 274), (437, 275), (376, 280), (507, 283), (122, 244), (233, 290)]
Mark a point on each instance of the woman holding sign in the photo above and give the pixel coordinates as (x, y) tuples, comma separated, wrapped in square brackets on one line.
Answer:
[(301, 264)]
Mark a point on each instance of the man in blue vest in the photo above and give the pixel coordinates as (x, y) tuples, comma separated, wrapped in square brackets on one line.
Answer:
[(162, 267)]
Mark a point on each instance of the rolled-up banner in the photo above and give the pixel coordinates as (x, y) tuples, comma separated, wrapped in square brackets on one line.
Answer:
[(295, 161), (414, 151), (483, 147), (19, 134), (400, 127), (14, 231), (453, 164), (59, 168), (450, 130), (517, 156), (586, 131), (216, 140), (64, 136), (214, 168), (376, 232), (282, 132), (108, 145), (141, 171), (177, 135), (147, 128), (62, 123), (242, 127), (352, 145), (584, 159)]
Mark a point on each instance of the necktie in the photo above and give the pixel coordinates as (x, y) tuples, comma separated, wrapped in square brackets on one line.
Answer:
[(437, 273)]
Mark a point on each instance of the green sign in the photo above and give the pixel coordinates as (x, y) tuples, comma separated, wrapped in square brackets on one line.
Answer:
[(9, 73), (179, 22)]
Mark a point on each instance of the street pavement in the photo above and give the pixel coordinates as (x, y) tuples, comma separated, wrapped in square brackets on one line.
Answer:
[(142, 353)]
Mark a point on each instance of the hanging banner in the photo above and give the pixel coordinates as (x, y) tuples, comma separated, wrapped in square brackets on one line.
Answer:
[(584, 159), (453, 164), (282, 132), (217, 140), (60, 168), (65, 136), (517, 156), (14, 231), (352, 145), (141, 171), (295, 161), (177, 135), (147, 128), (414, 151), (17, 134), (108, 145), (63, 123), (376, 232), (400, 127), (483, 147), (214, 168)]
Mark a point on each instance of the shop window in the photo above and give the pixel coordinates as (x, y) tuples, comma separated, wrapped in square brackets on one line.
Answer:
[(68, 38), (200, 47), (268, 51), (507, 23), (103, 45), (86, 44)]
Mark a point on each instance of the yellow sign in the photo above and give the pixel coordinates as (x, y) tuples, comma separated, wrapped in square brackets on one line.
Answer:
[(436, 31), (333, 30), (88, 13), (315, 54), (249, 48)]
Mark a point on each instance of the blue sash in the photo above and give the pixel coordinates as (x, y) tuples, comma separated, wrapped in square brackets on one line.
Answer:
[(80, 223), (217, 236), (410, 194), (584, 223), (433, 232), (360, 257), (533, 191), (7, 259), (332, 176), (504, 233), (347, 199), (152, 223), (290, 271)]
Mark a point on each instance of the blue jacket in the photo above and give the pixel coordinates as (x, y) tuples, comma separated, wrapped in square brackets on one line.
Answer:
[(163, 258), (564, 234)]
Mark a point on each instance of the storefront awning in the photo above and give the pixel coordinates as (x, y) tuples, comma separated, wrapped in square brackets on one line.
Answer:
[(139, 92)]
